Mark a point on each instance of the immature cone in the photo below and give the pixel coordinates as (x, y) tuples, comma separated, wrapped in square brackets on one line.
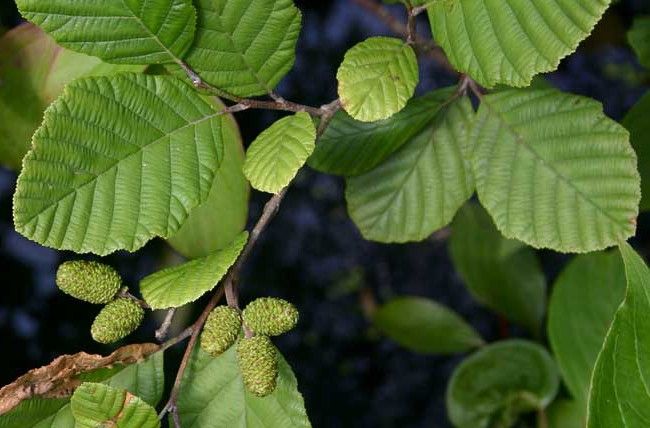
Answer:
[(116, 320), (258, 363), (220, 330), (270, 316), (89, 281)]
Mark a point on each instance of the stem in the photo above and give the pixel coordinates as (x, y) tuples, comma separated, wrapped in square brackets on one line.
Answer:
[(411, 25), (161, 333)]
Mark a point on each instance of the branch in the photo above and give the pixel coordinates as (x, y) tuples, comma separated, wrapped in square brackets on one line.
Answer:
[(162, 331)]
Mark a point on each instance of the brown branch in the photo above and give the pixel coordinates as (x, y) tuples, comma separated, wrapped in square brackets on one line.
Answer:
[(162, 331)]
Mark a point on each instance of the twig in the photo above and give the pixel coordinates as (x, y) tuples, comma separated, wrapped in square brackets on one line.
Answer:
[(124, 293), (411, 25), (162, 331)]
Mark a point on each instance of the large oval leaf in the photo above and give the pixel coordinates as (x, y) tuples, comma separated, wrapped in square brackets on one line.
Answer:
[(577, 330), (96, 404), (425, 326), (620, 386), (349, 147), (502, 274), (34, 70), (636, 121), (421, 186), (553, 171), (178, 285), (276, 155), (376, 78), (244, 47), (102, 182), (495, 385), (124, 31), (216, 222), (213, 394), (510, 41)]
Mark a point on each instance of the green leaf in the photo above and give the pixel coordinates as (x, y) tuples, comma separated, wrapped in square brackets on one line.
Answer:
[(421, 186), (178, 285), (619, 395), (244, 47), (96, 404), (213, 394), (510, 41), (216, 222), (553, 171), (376, 78), (276, 155), (492, 387), (145, 379), (34, 70), (502, 274), (349, 147), (577, 331), (636, 121), (425, 326), (639, 38), (565, 414), (123, 32), (99, 183)]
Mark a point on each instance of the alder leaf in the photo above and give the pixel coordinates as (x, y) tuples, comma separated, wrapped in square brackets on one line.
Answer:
[(376, 78), (213, 395), (639, 37), (178, 285), (636, 121), (216, 222), (553, 171), (502, 274), (620, 386), (276, 155), (565, 414), (125, 31), (495, 385), (96, 404), (102, 182), (244, 47), (510, 41), (577, 331), (425, 326), (34, 70), (349, 147), (419, 188)]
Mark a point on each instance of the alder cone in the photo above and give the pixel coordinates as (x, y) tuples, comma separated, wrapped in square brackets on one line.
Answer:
[(258, 363), (270, 316), (117, 320), (220, 330), (88, 281)]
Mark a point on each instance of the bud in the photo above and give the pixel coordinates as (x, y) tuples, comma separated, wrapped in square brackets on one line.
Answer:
[(117, 320), (258, 363), (89, 281), (270, 316), (220, 330)]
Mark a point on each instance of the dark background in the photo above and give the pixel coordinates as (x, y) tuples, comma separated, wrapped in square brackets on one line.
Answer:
[(312, 254)]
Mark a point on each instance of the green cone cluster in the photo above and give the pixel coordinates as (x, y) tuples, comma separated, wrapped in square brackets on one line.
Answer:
[(89, 281), (258, 363), (270, 316), (220, 330), (116, 320)]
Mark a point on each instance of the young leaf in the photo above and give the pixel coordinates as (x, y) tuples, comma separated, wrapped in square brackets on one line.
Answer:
[(377, 77), (639, 37), (498, 383), (96, 404), (126, 32), (636, 121), (554, 171), (502, 274), (216, 222), (34, 70), (213, 395), (425, 326), (576, 331), (511, 41), (276, 155), (99, 183), (419, 188), (244, 47), (620, 385), (349, 147), (178, 285)]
